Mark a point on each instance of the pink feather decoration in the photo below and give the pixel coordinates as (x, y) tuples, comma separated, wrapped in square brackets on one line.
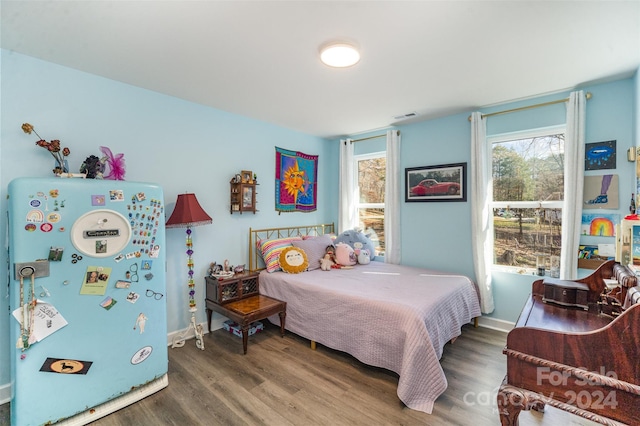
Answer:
[(116, 164)]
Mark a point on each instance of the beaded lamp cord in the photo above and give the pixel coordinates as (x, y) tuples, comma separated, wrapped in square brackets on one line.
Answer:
[(191, 283), (178, 341)]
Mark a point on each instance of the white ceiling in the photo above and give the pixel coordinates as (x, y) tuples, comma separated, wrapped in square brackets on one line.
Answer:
[(260, 58)]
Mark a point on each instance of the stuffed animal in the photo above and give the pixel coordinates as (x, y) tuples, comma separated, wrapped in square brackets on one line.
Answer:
[(352, 236), (328, 261), (357, 246), (364, 258), (345, 254)]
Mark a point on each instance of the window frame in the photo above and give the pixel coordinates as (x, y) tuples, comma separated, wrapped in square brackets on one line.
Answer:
[(357, 204), (551, 204)]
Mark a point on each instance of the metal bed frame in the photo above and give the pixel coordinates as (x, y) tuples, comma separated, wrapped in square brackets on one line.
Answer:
[(255, 235)]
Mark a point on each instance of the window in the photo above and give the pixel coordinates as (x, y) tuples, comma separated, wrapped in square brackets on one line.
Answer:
[(370, 174), (528, 196)]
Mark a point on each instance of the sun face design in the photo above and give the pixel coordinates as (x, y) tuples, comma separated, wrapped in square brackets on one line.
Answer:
[(293, 260), (294, 180)]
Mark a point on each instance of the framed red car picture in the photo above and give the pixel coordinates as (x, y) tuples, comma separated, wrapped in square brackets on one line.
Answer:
[(444, 182)]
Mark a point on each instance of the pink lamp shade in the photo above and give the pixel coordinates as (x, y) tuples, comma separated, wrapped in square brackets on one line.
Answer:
[(188, 212)]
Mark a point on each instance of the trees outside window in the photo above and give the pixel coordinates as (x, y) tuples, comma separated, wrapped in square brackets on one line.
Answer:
[(370, 175), (528, 196)]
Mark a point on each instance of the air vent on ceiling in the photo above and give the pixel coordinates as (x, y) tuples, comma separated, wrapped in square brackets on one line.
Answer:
[(405, 116)]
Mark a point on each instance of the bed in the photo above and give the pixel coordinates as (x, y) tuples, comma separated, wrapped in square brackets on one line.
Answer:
[(390, 316)]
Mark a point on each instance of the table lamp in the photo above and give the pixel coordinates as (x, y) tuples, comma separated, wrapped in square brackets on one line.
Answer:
[(188, 213)]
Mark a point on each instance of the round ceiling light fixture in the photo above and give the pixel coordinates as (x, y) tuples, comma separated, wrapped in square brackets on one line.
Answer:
[(339, 55)]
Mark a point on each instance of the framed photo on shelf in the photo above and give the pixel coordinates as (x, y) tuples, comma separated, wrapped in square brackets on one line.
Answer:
[(444, 182), (247, 176), (248, 198)]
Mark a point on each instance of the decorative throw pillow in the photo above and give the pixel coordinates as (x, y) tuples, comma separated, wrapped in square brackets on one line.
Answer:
[(293, 260), (315, 248), (270, 250), (345, 254)]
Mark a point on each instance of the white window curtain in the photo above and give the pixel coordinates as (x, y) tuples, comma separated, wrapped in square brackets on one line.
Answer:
[(481, 216), (347, 218), (573, 185), (392, 192)]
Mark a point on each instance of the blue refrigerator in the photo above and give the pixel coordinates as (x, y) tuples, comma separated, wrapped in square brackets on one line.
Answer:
[(88, 329)]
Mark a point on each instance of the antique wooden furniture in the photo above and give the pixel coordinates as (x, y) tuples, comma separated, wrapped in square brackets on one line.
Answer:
[(584, 361), (242, 197), (238, 299)]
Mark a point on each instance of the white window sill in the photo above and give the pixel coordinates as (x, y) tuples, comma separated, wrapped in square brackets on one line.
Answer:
[(514, 270)]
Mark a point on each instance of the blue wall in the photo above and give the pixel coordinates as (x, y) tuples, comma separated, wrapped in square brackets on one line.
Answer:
[(186, 147), (438, 235), (182, 146)]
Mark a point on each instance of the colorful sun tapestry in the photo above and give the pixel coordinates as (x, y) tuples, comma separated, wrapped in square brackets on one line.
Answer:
[(296, 181)]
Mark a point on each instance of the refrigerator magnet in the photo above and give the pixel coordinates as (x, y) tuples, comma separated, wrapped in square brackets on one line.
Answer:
[(123, 284), (55, 254), (98, 200), (141, 321), (116, 195), (133, 297), (108, 302), (66, 366), (54, 217), (35, 216), (141, 355)]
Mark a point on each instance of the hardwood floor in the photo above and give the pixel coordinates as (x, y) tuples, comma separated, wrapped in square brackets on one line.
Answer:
[(281, 381)]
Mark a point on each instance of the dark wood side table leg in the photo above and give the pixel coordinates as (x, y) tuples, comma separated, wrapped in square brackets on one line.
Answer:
[(245, 337), (283, 316), (208, 319)]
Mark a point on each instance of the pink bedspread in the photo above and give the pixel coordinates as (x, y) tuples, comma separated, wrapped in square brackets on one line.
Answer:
[(390, 316)]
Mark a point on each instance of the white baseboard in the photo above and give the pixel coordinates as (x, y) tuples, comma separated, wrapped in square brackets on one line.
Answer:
[(5, 393), (495, 324), (217, 324), (190, 333)]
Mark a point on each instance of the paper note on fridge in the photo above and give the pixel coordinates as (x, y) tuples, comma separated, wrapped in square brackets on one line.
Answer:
[(46, 319)]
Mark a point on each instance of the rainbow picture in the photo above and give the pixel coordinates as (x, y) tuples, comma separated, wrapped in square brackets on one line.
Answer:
[(600, 225), (35, 216)]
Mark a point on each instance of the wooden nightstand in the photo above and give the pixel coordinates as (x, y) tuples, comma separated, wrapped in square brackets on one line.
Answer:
[(238, 298)]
